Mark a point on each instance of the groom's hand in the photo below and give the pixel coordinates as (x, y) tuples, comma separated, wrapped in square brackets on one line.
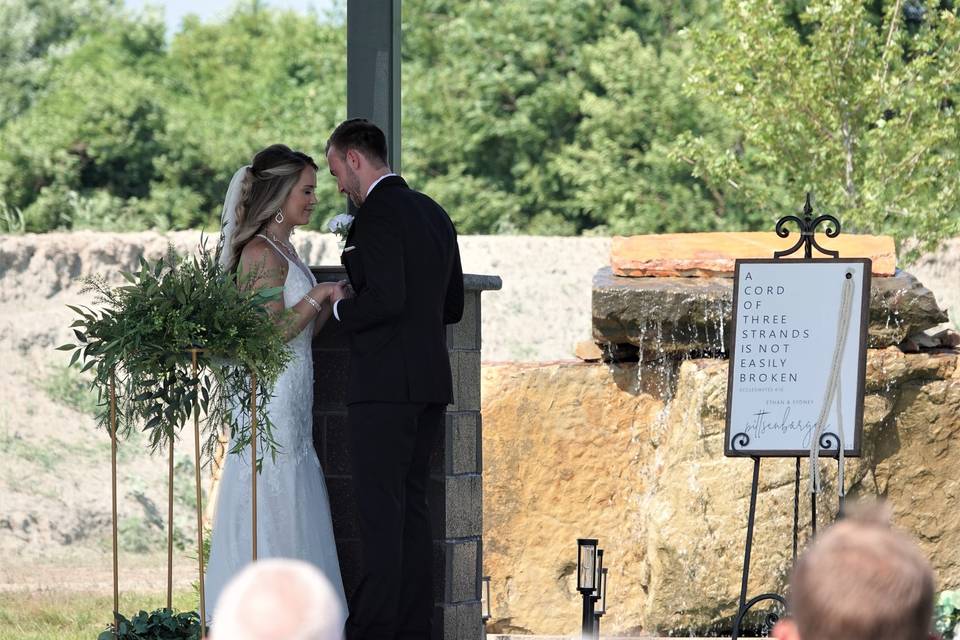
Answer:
[(346, 290)]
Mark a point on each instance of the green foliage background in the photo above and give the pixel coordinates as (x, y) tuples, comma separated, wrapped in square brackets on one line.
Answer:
[(519, 116)]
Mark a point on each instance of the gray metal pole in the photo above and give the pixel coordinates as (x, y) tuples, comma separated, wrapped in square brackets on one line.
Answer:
[(373, 67)]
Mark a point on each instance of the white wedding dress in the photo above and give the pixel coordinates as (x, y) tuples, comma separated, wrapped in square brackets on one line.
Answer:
[(293, 509)]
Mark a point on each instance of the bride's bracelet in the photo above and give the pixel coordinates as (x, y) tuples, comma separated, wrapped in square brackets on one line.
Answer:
[(313, 303)]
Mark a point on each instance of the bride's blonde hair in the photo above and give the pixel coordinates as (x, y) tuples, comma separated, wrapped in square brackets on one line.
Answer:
[(266, 185)]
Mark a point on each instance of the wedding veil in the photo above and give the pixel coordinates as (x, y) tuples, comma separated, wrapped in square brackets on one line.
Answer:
[(228, 217)]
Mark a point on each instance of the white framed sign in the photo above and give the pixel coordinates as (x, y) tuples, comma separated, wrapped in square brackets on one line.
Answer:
[(797, 356)]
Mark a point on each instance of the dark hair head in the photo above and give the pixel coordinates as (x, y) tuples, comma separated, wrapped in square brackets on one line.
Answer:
[(360, 135)]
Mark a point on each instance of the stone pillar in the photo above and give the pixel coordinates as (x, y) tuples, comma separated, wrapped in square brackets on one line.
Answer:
[(456, 499)]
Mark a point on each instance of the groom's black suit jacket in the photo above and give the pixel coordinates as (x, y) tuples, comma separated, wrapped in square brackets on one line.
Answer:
[(402, 259)]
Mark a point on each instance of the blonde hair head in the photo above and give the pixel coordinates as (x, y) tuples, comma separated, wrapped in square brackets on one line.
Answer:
[(266, 185)]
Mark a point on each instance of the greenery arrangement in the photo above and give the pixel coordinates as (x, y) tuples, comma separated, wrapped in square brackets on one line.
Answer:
[(162, 624), (599, 116), (947, 614), (141, 334)]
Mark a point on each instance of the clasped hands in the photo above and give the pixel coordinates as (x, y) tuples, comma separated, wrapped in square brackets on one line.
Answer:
[(340, 291), (330, 292)]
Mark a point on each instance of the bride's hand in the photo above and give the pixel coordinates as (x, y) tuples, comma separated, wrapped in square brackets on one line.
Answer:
[(323, 291)]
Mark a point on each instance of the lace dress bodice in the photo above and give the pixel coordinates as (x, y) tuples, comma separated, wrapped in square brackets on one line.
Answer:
[(295, 385)]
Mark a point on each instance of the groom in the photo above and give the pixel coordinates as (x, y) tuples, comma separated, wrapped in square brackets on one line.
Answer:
[(402, 259)]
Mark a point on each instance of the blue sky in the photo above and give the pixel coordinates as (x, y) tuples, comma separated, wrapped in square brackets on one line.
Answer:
[(209, 10)]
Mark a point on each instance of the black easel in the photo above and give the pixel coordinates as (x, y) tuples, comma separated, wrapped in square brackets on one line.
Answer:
[(807, 241)]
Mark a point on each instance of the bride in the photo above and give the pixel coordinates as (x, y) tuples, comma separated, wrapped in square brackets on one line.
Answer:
[(265, 201)]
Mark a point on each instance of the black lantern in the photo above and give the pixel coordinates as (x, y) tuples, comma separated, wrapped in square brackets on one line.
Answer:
[(595, 597), (586, 565), (603, 592), (485, 598), (598, 575), (587, 574)]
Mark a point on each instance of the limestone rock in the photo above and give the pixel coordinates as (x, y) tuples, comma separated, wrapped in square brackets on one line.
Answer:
[(566, 455), (713, 254), (948, 338), (671, 316), (901, 306), (699, 549), (588, 351), (682, 316), (939, 269), (574, 450)]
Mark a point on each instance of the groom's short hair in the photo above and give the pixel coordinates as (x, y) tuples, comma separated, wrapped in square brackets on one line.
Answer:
[(360, 135), (278, 599)]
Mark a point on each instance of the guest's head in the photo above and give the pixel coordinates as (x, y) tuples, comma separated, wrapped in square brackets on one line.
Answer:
[(277, 192), (278, 599), (860, 580), (357, 156)]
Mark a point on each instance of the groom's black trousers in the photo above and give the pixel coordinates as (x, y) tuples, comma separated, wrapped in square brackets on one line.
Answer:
[(390, 445)]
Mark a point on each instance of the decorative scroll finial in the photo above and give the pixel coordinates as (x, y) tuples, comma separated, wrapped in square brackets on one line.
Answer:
[(808, 225)]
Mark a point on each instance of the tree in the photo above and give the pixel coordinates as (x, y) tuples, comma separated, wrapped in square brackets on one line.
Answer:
[(556, 116), (85, 146), (486, 108), (618, 166), (33, 35), (260, 77), (534, 116), (857, 106), (129, 132)]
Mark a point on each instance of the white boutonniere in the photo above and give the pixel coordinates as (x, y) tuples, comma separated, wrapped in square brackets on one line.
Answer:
[(340, 225)]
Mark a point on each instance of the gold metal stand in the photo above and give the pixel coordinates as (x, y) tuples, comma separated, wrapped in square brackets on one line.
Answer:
[(196, 445), (113, 478), (170, 526), (253, 457), (196, 450)]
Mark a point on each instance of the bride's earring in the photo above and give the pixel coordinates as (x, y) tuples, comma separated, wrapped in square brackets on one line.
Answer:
[(279, 216)]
